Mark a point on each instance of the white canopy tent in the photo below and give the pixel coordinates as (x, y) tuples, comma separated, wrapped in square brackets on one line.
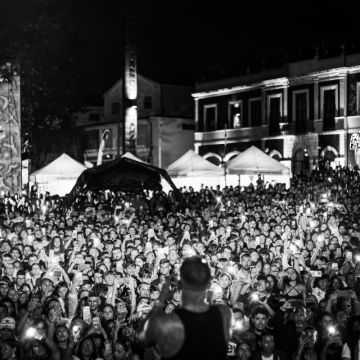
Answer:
[(58, 177), (253, 162), (193, 170), (192, 164)]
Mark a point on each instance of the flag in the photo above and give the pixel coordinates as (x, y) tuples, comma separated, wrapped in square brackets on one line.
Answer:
[(102, 146)]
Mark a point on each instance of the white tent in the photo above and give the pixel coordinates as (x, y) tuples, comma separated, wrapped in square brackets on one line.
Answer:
[(193, 170), (252, 162), (58, 177), (129, 155), (192, 164)]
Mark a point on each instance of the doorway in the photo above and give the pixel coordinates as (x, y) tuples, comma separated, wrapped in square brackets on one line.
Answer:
[(301, 162)]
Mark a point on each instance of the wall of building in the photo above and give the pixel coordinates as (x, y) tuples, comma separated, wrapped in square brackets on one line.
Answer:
[(171, 138), (169, 105), (312, 137), (90, 116)]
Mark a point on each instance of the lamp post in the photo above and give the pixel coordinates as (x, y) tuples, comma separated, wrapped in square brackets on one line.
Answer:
[(223, 158)]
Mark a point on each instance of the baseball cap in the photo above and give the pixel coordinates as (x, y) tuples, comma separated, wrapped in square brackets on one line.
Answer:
[(7, 323)]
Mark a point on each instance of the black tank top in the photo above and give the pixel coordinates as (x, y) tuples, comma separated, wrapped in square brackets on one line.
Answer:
[(204, 335)]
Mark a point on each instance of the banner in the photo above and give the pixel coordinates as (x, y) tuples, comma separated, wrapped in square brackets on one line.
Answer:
[(10, 131), (130, 89)]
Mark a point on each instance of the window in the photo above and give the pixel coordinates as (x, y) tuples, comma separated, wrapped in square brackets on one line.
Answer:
[(94, 117), (93, 139), (329, 106), (148, 102), (115, 108), (255, 112), (358, 98), (301, 109), (274, 112), (210, 117), (235, 115)]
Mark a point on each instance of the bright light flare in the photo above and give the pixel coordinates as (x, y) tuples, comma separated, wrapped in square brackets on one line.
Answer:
[(30, 332)]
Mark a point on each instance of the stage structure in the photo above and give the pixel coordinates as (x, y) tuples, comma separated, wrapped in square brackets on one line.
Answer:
[(10, 130)]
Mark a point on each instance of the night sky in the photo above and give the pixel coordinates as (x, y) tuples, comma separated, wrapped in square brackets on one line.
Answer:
[(182, 42)]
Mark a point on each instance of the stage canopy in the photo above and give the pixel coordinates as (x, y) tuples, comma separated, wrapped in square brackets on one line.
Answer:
[(122, 174), (59, 176), (192, 164)]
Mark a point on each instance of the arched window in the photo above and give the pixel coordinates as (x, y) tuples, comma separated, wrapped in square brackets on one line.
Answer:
[(213, 158), (329, 153), (276, 155), (231, 155)]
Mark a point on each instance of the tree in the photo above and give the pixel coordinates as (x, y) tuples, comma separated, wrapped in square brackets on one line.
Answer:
[(38, 38)]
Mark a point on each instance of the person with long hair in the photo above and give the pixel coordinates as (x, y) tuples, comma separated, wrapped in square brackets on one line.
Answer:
[(291, 285), (86, 349), (122, 349), (64, 342)]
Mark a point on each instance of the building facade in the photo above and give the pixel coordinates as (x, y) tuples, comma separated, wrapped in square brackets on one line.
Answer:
[(298, 114), (165, 123)]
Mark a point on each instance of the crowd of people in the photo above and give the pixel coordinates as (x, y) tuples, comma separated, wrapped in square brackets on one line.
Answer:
[(82, 282)]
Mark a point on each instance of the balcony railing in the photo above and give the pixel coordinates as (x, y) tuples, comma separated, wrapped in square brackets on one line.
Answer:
[(353, 122), (259, 132), (253, 133)]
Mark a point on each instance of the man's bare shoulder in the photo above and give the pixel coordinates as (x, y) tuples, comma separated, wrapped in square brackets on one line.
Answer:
[(164, 322), (168, 333)]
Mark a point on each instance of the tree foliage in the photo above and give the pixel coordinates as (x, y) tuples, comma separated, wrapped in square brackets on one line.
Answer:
[(37, 36)]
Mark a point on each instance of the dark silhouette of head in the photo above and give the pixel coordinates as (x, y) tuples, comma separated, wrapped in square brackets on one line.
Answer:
[(195, 274)]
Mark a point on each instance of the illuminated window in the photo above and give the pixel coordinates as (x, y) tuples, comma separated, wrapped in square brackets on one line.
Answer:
[(235, 115)]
